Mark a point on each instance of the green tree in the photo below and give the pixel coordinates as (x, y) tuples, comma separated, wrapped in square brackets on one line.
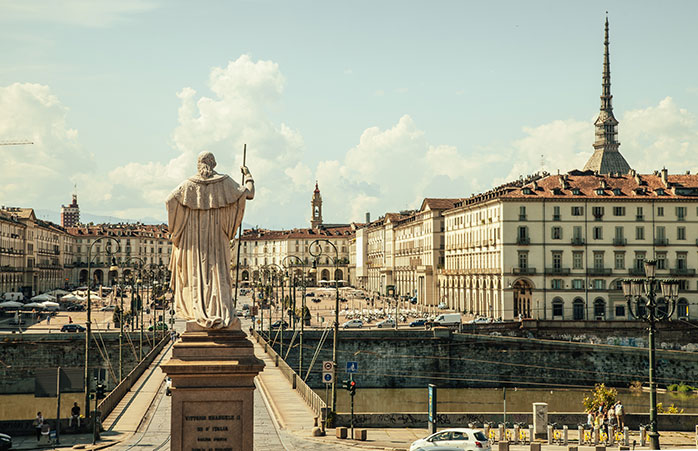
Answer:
[(599, 395)]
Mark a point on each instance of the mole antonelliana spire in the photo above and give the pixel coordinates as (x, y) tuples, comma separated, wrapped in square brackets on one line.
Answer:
[(606, 157)]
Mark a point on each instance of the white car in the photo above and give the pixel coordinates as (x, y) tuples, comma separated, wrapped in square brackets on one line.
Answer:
[(386, 323), (461, 439), (353, 323)]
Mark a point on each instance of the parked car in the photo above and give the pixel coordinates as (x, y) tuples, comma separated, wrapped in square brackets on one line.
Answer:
[(460, 439), (277, 324), (447, 319), (386, 323), (419, 323), (5, 442), (72, 328), (481, 320), (353, 324)]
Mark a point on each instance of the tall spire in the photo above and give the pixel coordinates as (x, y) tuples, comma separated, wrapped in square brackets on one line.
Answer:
[(606, 157)]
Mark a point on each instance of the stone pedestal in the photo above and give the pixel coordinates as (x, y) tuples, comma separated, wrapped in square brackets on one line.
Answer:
[(540, 419), (212, 375)]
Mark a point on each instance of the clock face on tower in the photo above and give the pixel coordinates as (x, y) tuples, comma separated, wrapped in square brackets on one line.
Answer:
[(317, 211)]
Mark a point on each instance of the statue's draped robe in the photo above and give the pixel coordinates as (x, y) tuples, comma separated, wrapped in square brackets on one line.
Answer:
[(203, 216)]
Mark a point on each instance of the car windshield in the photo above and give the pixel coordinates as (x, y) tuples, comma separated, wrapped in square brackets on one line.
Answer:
[(479, 436)]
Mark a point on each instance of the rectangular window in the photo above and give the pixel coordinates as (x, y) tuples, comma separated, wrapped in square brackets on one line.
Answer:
[(577, 232), (681, 213), (661, 260), (578, 284), (557, 233), (597, 212), (522, 213), (639, 233), (681, 233), (578, 260), (619, 260), (681, 260), (523, 260), (660, 211), (661, 232), (619, 233), (599, 284), (620, 311), (618, 211), (577, 211), (598, 259), (557, 308), (639, 216), (556, 284), (639, 260), (598, 233), (557, 259), (556, 213)]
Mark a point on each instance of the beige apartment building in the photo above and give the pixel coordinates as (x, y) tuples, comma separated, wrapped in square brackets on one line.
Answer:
[(138, 245), (557, 246)]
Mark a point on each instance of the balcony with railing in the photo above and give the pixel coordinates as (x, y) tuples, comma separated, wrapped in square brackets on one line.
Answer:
[(556, 217), (682, 271), (661, 241), (557, 271), (577, 241), (523, 240), (598, 271), (639, 218), (524, 271), (618, 241), (637, 272)]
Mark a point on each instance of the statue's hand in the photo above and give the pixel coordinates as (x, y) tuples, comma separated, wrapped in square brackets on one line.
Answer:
[(245, 171)]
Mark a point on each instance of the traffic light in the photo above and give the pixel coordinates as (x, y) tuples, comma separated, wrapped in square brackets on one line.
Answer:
[(100, 391), (346, 384), (352, 388)]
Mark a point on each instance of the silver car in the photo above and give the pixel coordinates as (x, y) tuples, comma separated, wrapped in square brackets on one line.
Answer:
[(461, 439)]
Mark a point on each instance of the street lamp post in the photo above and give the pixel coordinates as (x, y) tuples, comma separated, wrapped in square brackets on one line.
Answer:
[(641, 295), (88, 323), (335, 335), (300, 354)]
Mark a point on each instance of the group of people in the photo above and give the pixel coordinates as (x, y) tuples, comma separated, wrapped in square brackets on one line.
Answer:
[(42, 426), (608, 418)]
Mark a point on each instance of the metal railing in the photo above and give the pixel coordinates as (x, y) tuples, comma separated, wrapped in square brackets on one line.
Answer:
[(599, 271), (557, 271), (311, 398), (529, 271), (682, 271), (577, 241)]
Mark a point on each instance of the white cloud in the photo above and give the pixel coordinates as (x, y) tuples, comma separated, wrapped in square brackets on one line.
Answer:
[(45, 171), (84, 13)]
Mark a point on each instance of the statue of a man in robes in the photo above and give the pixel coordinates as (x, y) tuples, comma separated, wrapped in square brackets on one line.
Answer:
[(204, 212)]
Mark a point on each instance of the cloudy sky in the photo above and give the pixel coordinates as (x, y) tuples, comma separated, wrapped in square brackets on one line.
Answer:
[(382, 102)]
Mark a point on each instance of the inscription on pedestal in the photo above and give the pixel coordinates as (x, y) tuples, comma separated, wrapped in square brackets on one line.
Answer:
[(212, 425)]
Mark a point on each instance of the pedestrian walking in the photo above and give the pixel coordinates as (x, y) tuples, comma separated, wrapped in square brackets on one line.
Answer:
[(38, 424)]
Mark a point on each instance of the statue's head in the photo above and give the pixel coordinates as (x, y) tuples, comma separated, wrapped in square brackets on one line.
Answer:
[(205, 164)]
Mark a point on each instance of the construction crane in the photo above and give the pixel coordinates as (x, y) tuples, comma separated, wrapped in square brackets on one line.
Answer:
[(15, 142)]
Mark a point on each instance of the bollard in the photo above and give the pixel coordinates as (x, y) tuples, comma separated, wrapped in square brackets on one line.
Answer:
[(516, 434), (626, 436), (361, 435), (643, 442), (535, 446), (503, 446), (502, 436), (595, 437), (341, 432), (531, 433), (580, 430), (565, 435), (550, 434)]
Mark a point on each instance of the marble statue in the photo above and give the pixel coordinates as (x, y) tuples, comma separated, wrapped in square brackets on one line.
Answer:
[(204, 213)]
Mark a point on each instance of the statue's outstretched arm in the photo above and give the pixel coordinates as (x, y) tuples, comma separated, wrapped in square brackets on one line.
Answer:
[(249, 182)]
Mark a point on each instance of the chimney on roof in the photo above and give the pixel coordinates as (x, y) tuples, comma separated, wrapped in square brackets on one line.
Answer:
[(664, 175)]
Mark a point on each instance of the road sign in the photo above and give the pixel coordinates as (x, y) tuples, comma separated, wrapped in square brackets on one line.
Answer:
[(352, 367), (327, 365), (328, 378)]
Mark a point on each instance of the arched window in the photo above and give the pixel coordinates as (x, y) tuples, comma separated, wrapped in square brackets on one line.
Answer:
[(578, 309), (682, 308), (558, 308), (599, 308), (662, 307)]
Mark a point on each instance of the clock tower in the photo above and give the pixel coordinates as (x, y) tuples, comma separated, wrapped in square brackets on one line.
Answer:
[(316, 204)]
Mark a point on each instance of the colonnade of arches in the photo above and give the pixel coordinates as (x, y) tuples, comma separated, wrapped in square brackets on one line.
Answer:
[(478, 295)]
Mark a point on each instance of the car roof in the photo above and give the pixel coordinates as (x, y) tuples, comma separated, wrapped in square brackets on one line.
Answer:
[(469, 430)]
